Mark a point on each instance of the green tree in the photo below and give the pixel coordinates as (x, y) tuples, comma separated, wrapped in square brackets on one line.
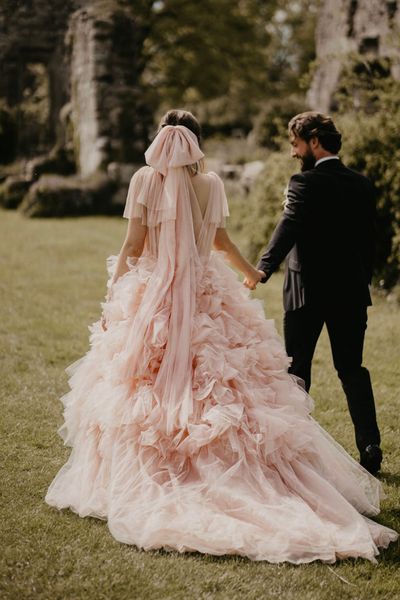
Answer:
[(224, 59), (369, 115)]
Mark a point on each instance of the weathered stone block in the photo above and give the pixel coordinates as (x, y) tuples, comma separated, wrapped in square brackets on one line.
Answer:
[(90, 58), (57, 161), (12, 191), (367, 27), (57, 196), (104, 86)]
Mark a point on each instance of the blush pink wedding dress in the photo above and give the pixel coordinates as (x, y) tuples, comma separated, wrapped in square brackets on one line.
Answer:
[(187, 431)]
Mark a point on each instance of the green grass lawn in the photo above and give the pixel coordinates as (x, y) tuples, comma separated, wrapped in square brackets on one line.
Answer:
[(52, 279)]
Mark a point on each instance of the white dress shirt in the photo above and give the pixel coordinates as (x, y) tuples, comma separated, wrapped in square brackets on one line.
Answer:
[(326, 158)]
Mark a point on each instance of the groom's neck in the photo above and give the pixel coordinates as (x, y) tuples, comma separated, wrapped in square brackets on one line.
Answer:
[(322, 153)]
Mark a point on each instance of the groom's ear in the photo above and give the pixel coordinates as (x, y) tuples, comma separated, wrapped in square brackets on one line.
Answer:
[(314, 143)]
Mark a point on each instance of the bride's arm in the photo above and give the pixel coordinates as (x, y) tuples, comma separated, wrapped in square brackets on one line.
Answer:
[(131, 248), (223, 242)]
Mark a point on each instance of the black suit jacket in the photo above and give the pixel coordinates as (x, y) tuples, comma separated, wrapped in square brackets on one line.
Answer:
[(326, 233)]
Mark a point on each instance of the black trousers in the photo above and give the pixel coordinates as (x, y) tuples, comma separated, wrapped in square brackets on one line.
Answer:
[(346, 327)]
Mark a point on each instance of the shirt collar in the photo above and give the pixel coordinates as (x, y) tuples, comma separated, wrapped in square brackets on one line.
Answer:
[(321, 160)]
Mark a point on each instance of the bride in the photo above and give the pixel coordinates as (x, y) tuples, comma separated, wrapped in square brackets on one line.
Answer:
[(187, 431)]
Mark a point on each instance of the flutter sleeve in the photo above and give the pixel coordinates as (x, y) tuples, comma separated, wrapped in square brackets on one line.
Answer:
[(219, 203), (139, 192)]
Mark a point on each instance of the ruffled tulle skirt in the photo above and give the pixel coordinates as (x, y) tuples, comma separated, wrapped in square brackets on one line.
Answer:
[(250, 473)]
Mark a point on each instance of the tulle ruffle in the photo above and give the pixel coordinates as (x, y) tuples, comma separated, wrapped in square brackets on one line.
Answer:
[(251, 473), (151, 199)]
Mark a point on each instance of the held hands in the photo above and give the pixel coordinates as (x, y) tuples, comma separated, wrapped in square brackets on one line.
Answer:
[(252, 278)]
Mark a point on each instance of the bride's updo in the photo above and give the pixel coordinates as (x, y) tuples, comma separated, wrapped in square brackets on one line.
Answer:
[(184, 117), (181, 117)]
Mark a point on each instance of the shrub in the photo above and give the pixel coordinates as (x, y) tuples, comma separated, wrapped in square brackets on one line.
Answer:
[(371, 147), (270, 125), (58, 196), (253, 218), (369, 117), (12, 191)]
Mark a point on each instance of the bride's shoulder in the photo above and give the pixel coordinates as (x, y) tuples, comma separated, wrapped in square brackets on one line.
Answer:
[(210, 180), (143, 172), (216, 182), (144, 182), (219, 200), (214, 177)]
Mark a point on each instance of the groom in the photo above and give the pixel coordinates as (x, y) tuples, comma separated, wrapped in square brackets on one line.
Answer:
[(326, 233)]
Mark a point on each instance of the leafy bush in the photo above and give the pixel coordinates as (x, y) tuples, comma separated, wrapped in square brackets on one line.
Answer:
[(254, 217), (371, 147), (60, 196), (270, 125), (369, 117)]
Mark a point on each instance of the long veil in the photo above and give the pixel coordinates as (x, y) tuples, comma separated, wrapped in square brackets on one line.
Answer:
[(170, 294)]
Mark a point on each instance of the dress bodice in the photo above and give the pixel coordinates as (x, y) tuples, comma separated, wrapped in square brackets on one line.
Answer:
[(148, 200)]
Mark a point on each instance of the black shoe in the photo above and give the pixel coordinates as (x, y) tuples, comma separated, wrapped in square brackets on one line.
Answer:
[(371, 458)]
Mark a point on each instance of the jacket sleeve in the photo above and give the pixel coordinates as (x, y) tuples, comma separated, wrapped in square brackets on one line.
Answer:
[(286, 232)]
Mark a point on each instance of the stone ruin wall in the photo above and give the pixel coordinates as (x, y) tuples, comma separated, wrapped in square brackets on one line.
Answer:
[(90, 52), (367, 27), (33, 31), (105, 95), (89, 49)]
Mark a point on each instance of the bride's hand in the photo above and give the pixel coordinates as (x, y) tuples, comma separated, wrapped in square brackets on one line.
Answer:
[(252, 278), (103, 322)]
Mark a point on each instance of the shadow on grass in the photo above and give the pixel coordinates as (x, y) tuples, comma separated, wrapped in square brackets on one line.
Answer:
[(389, 478), (388, 556)]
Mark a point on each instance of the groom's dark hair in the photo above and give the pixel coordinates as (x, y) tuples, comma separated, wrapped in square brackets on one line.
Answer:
[(311, 124)]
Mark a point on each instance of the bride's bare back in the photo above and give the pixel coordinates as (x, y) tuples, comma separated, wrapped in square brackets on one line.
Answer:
[(201, 186)]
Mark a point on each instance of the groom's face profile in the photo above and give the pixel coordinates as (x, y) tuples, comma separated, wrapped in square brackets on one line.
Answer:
[(302, 150)]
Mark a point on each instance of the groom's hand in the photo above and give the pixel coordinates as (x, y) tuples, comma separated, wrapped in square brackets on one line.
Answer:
[(262, 274)]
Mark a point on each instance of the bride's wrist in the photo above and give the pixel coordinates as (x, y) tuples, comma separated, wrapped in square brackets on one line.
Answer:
[(251, 272)]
